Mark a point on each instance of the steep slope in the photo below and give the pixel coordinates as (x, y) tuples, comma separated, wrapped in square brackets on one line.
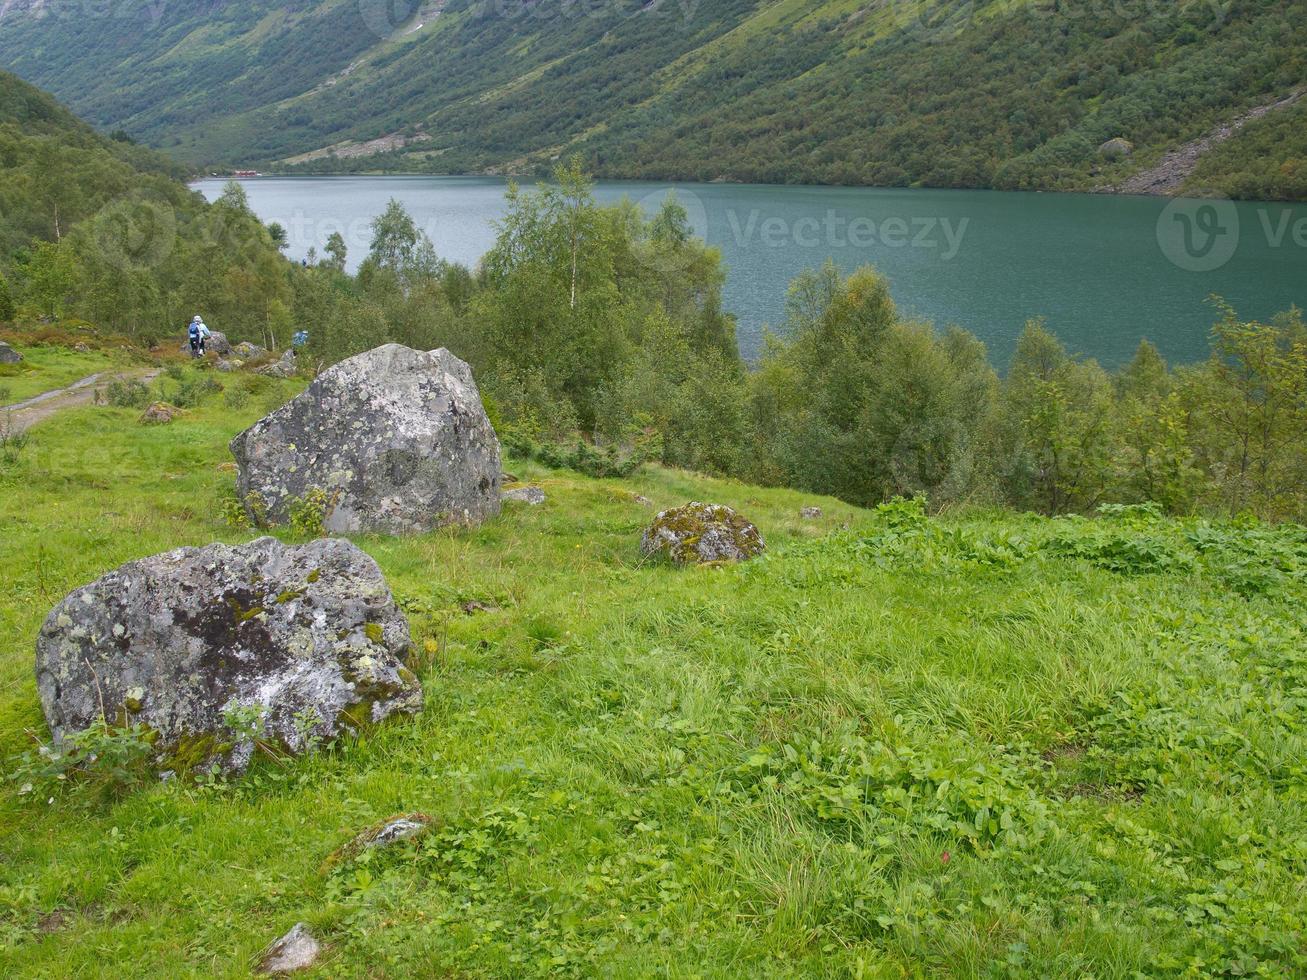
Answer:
[(982, 93), (55, 170)]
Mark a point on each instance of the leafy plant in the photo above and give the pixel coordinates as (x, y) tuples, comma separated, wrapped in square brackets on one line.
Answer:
[(112, 757), (308, 514)]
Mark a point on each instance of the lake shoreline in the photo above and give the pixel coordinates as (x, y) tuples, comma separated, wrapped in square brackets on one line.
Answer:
[(1109, 191), (1104, 271)]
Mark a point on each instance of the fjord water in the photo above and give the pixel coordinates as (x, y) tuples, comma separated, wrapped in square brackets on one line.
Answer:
[(1103, 271)]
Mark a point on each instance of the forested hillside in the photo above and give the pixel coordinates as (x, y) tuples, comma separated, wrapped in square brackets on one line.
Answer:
[(991, 93)]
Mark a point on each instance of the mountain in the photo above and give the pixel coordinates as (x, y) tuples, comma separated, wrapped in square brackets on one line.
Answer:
[(56, 171), (970, 93)]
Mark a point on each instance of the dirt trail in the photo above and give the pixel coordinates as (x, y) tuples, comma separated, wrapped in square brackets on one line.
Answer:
[(1176, 166), (21, 416)]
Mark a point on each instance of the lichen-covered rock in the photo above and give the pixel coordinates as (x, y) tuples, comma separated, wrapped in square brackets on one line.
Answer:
[(699, 534), (211, 648), (159, 413), (298, 950), (401, 828), (227, 365), (810, 513), (525, 495), (247, 351), (8, 355), (283, 368), (396, 439)]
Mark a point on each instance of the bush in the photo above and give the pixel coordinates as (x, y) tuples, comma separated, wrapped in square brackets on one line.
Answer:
[(127, 393)]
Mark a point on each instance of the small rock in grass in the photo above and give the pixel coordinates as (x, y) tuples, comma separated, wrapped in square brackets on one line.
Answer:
[(399, 828), (810, 513), (642, 500), (160, 413), (526, 495), (248, 351), (8, 355), (701, 534), (298, 950), (473, 606)]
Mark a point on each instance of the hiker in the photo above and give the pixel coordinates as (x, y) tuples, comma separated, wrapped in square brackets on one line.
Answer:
[(198, 334)]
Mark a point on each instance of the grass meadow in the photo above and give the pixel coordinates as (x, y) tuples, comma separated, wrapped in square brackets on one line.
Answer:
[(981, 744)]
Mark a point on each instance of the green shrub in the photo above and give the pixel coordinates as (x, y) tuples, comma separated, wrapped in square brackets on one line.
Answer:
[(112, 757), (127, 393)]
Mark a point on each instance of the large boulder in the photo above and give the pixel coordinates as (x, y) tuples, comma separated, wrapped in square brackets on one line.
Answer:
[(8, 355), (211, 648), (218, 343), (395, 440), (1117, 148), (701, 534)]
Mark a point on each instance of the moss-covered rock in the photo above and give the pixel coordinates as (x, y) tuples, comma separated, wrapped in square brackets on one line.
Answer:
[(702, 534), (222, 649)]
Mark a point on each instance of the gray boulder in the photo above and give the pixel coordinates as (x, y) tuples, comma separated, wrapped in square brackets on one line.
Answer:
[(229, 365), (212, 648), (395, 439), (525, 495), (218, 343), (8, 355), (247, 351), (283, 368), (701, 534)]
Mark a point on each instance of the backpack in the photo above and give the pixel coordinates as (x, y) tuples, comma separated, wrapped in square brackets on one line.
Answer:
[(194, 333)]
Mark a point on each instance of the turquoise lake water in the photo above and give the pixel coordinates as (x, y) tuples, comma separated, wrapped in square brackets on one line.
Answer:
[(1103, 271)]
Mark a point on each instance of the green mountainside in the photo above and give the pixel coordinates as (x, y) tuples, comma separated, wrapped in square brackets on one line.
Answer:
[(990, 93), (56, 171)]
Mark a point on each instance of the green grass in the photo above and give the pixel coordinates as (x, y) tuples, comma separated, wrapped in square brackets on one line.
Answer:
[(981, 745), (47, 368)]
